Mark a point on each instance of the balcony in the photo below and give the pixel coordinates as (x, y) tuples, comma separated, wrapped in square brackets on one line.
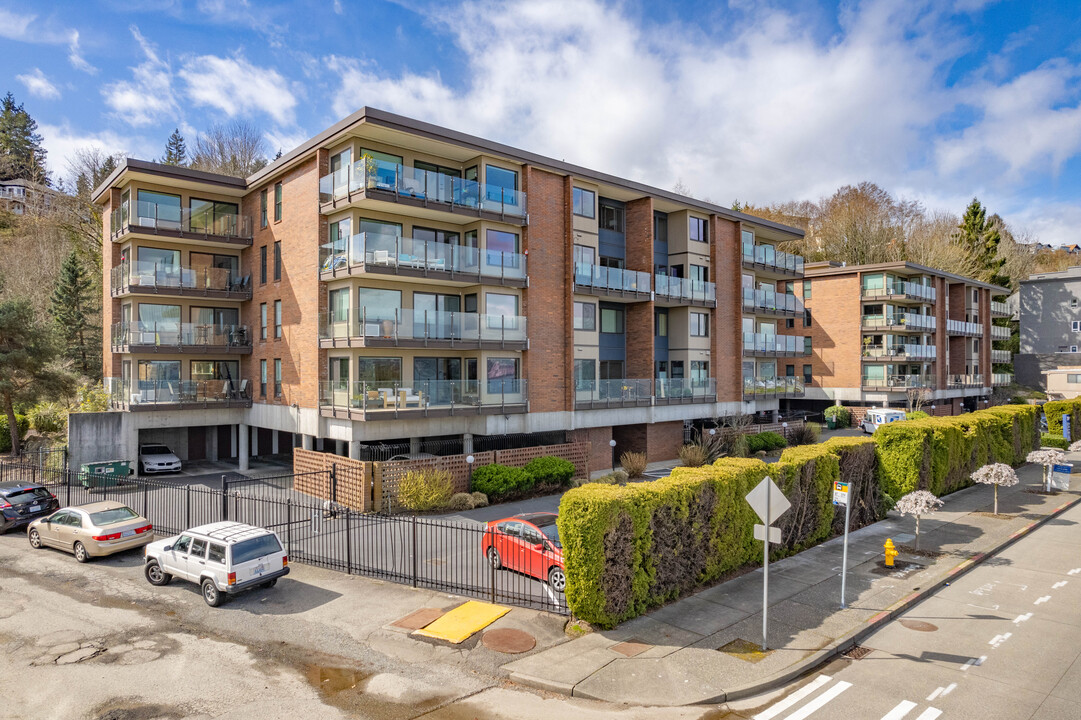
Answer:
[(772, 387), (380, 180), (999, 332), (370, 253), (904, 321), (178, 395), (767, 259), (408, 328), (178, 223), (769, 345), (1003, 357), (612, 282), (361, 400), (963, 328), (1000, 309), (173, 337), (1001, 379), (768, 302), (685, 291), (146, 278), (680, 391), (900, 351), (898, 383), (902, 290), (613, 393), (965, 381)]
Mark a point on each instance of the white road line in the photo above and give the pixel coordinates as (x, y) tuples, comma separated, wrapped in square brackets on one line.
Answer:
[(1021, 618), (900, 711), (935, 694), (820, 701), (775, 710), (1041, 600), (949, 689), (1075, 571), (974, 662), (994, 640), (1059, 584), (929, 714), (999, 639)]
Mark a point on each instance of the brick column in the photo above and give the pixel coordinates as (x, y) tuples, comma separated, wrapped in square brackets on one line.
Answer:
[(942, 344), (110, 307), (639, 240), (726, 344)]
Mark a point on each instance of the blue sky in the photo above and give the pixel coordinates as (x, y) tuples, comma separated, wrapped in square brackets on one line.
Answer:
[(935, 100)]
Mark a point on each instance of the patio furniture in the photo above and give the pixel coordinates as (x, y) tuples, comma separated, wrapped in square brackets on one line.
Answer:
[(407, 397)]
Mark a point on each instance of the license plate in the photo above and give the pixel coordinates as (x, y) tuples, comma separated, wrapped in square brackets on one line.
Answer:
[(35, 508), (259, 569), (127, 533)]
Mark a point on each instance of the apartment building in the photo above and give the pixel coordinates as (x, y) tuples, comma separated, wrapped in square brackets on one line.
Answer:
[(889, 333), (1049, 318), (392, 281)]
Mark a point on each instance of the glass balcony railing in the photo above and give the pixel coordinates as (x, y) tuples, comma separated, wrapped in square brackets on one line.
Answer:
[(1001, 356), (766, 256), (144, 275), (902, 288), (1000, 309), (773, 387), (965, 381), (769, 344), (180, 335), (688, 390), (197, 393), (900, 320), (392, 251), (999, 332), (404, 324), (897, 382), (430, 186), (905, 350), (771, 302), (152, 217), (1000, 379), (422, 395), (614, 392), (611, 279), (962, 327), (676, 288)]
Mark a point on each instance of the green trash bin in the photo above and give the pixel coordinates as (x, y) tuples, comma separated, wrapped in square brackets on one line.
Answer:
[(104, 474)]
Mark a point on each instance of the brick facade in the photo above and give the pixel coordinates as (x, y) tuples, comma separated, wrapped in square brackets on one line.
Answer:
[(726, 343), (836, 342)]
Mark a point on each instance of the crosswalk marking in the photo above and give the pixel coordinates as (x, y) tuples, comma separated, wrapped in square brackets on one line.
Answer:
[(999, 639), (973, 662), (949, 689), (1021, 618), (929, 714), (775, 710), (1075, 571), (1041, 600), (1059, 584), (936, 693), (900, 711), (819, 701)]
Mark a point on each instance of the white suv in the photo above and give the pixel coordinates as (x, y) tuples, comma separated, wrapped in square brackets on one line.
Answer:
[(224, 558)]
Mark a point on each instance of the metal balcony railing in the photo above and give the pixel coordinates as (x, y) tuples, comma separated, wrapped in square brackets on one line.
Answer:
[(902, 289), (400, 325), (999, 332), (902, 350), (771, 387), (667, 390), (912, 321), (161, 278), (149, 394), (1001, 356), (965, 381), (621, 392), (962, 327), (1000, 309), (610, 279), (768, 344), (684, 289), (165, 335), (768, 301), (897, 382), (378, 251), (153, 218), (388, 398), (1000, 379), (769, 258)]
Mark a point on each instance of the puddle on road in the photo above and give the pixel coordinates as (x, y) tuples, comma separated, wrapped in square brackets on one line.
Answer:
[(332, 680)]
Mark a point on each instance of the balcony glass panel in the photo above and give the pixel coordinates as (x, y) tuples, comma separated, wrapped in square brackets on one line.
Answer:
[(124, 394), (772, 386), (616, 279), (405, 324), (173, 334), (614, 391), (775, 344), (897, 382), (907, 350), (381, 396), (678, 288), (165, 276), (673, 388), (771, 301), (382, 250)]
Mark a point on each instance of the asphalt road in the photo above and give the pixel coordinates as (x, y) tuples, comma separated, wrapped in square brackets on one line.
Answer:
[(1003, 642)]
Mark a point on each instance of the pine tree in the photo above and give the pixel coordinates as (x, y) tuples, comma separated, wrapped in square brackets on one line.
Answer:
[(176, 150), (73, 313), (21, 154), (981, 237)]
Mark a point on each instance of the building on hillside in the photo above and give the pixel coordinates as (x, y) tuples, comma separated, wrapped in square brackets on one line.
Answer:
[(1063, 383), (390, 281), (19, 196), (899, 334), (1050, 325)]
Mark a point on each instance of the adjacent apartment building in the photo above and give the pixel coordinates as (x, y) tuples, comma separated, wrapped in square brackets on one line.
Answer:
[(1050, 324), (390, 281), (890, 334)]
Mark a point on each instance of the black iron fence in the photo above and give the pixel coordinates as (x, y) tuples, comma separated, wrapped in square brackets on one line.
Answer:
[(426, 552)]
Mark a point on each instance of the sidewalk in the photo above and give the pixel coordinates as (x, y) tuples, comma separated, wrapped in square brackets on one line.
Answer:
[(674, 655)]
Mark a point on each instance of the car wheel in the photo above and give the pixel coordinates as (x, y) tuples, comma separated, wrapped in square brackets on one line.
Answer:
[(211, 593), (557, 580), (35, 539), (155, 575), (494, 559), (270, 583), (80, 553)]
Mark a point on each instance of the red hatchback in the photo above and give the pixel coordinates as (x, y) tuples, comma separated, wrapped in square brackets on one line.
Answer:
[(529, 544)]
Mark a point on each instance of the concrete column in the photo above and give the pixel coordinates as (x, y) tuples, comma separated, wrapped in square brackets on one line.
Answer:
[(244, 453), (414, 446), (467, 444), (274, 442), (775, 415), (212, 443), (354, 449), (339, 447), (307, 441), (253, 437), (234, 449)]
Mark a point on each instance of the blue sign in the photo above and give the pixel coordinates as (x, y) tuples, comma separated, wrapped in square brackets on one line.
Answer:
[(1066, 426)]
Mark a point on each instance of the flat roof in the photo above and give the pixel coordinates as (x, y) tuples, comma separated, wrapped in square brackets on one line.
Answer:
[(1071, 273), (818, 269), (173, 172)]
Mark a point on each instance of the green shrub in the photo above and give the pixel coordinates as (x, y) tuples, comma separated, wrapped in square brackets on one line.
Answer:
[(633, 463), (765, 442), (1056, 409), (916, 415), (693, 455), (497, 481), (1055, 441), (480, 500), (423, 490), (550, 470), (616, 477), (840, 414), (807, 433), (21, 422), (460, 501), (47, 417)]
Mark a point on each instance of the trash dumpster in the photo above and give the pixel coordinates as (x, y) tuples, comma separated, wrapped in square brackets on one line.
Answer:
[(104, 474)]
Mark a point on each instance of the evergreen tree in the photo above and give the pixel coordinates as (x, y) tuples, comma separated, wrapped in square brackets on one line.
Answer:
[(176, 150), (74, 312), (21, 154), (737, 206), (980, 237)]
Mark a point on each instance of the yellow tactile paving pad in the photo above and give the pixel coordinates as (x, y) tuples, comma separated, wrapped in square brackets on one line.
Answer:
[(461, 622)]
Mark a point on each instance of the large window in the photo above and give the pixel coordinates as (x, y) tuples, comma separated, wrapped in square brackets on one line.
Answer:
[(502, 310), (277, 202), (699, 373), (698, 229), (501, 185), (381, 168), (379, 371), (584, 202), (167, 261), (503, 375), (699, 324), (375, 304), (585, 374), (159, 380), (502, 248), (217, 270), (339, 373), (213, 217), (660, 227), (339, 238), (339, 305), (611, 218), (216, 370), (585, 316), (612, 320), (277, 318), (157, 209), (699, 273), (583, 255), (223, 319), (165, 318)]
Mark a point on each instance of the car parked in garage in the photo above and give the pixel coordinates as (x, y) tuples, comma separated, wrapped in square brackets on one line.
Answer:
[(157, 459), (23, 502), (92, 530), (527, 543)]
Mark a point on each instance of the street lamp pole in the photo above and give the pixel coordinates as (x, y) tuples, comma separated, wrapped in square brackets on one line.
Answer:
[(612, 444)]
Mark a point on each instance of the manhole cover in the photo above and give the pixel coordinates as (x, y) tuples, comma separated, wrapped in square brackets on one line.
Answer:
[(857, 652), (919, 625), (509, 640), (745, 650)]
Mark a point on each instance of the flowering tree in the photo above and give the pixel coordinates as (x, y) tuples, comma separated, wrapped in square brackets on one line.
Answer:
[(1075, 446), (918, 502), (1046, 457), (996, 474)]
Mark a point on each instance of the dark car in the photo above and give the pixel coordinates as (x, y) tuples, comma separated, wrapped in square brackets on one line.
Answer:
[(22, 502), (529, 544)]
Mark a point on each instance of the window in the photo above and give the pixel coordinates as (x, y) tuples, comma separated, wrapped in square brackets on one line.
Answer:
[(262, 378), (213, 217), (339, 305), (470, 303), (583, 255), (159, 318), (159, 380), (806, 318), (158, 210), (1073, 302), (699, 324), (585, 374), (1073, 378), (698, 229), (611, 218), (379, 372), (503, 375), (501, 185), (790, 323), (660, 227), (125, 208), (216, 554), (277, 377), (584, 202), (699, 373), (502, 248), (262, 265), (222, 320), (182, 544), (262, 209), (585, 316), (1075, 325), (278, 260), (790, 371), (806, 289), (699, 273), (807, 374), (339, 374), (277, 202), (612, 320), (612, 370), (256, 547), (498, 305), (807, 345), (198, 548), (262, 321), (277, 318), (375, 305), (662, 323)]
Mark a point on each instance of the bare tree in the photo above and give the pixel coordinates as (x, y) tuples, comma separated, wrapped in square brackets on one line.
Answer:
[(931, 242), (236, 149)]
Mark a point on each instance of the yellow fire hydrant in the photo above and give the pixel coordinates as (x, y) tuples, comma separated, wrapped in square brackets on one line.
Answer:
[(891, 552)]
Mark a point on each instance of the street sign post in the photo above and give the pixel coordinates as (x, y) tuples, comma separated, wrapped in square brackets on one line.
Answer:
[(769, 503), (841, 497)]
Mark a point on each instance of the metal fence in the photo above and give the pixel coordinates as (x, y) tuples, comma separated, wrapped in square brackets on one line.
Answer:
[(381, 452), (425, 552)]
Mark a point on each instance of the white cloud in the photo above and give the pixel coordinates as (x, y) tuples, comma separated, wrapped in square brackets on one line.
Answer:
[(75, 57), (61, 141), (285, 141), (148, 96), (13, 26), (38, 85), (236, 87), (26, 28)]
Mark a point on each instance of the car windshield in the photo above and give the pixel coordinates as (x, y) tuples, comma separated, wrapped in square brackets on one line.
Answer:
[(112, 515), (28, 495), (552, 533), (256, 547), (157, 450)]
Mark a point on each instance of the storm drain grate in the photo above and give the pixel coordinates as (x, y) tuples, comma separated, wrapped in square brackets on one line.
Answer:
[(857, 652)]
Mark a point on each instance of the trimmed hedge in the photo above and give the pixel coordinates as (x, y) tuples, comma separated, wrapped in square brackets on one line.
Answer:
[(766, 441), (630, 548), (1055, 441), (1056, 409), (940, 454), (497, 480)]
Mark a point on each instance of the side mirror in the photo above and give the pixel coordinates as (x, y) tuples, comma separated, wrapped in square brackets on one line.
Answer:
[(167, 548)]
